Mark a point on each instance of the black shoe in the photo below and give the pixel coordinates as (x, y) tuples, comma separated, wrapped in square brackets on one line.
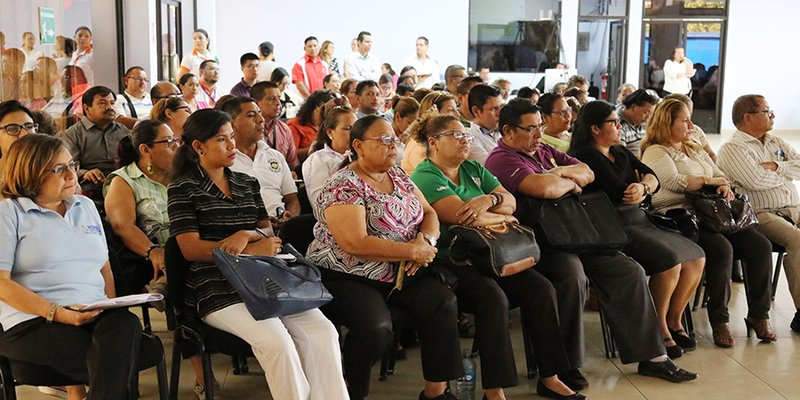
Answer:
[(682, 339), (447, 395), (574, 379), (674, 352), (544, 391), (795, 325), (666, 370), (736, 274)]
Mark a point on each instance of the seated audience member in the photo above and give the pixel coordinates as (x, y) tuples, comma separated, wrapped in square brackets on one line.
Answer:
[(673, 262), (484, 105), (331, 82), (348, 90), (16, 121), (172, 111), (47, 124), (299, 353), (463, 192), (190, 87), (257, 159), (623, 91), (373, 224), (764, 167), (162, 90), (39, 289), (93, 141), (559, 88), (250, 65), (529, 168), (386, 92), (682, 166), (464, 113), (453, 75), (578, 81), (436, 102), (276, 133), (134, 101), (406, 111), (288, 106), (557, 116), (505, 88), (634, 112), (409, 70), (309, 71), (328, 151), (578, 94), (404, 90), (305, 126), (698, 135), (420, 93), (407, 80), (209, 92), (369, 99), (529, 93)]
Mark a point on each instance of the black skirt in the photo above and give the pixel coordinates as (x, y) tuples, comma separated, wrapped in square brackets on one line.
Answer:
[(657, 250)]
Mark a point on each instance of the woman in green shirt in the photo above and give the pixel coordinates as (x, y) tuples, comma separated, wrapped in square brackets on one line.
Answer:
[(463, 192)]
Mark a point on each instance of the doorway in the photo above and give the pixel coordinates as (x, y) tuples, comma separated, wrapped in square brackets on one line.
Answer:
[(601, 54)]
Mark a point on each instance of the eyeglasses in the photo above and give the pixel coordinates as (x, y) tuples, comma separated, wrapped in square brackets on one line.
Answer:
[(62, 168), (15, 129), (387, 140), (170, 142), (189, 110), (768, 111), (457, 135), (564, 113), (139, 78), (615, 121), (532, 128)]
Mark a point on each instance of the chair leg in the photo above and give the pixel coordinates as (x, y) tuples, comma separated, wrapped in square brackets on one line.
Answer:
[(608, 339), (530, 358), (688, 322), (239, 365), (777, 274), (147, 326), (9, 391), (388, 360), (699, 294), (208, 379), (175, 374), (163, 383)]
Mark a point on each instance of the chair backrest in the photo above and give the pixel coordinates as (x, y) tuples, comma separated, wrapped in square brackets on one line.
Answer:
[(177, 268), (126, 266), (299, 231)]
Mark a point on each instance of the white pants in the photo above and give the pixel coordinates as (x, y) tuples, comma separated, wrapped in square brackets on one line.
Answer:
[(299, 353)]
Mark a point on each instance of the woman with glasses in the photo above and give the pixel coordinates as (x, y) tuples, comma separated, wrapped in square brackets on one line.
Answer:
[(682, 166), (172, 111), (281, 78), (40, 291), (375, 231), (673, 262), (16, 121), (190, 86), (463, 192), (557, 116)]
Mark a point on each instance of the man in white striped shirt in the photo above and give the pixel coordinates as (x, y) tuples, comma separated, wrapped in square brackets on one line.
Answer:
[(764, 167)]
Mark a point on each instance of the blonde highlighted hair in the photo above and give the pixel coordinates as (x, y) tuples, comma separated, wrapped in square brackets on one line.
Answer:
[(27, 163), (659, 128)]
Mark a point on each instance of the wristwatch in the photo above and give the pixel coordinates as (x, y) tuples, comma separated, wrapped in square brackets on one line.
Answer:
[(150, 250), (51, 314), (646, 188), (430, 239), (495, 198)]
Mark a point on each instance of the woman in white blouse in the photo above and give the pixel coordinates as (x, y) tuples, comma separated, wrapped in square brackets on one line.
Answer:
[(682, 166), (678, 71), (191, 61), (83, 56), (328, 151)]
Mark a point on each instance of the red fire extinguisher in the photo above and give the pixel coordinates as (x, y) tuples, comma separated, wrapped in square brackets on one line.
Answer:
[(603, 85)]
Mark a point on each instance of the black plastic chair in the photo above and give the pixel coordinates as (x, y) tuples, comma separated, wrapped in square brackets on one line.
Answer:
[(191, 331), (16, 373), (776, 248)]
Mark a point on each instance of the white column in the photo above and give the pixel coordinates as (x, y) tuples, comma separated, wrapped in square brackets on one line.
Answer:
[(569, 31), (633, 63)]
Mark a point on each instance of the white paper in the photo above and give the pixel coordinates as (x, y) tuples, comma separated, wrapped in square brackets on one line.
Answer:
[(124, 301)]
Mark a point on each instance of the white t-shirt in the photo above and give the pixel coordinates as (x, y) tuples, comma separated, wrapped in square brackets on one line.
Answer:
[(317, 168), (191, 61), (272, 172), (142, 106)]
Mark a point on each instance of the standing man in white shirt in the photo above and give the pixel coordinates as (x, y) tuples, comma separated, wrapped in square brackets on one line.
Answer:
[(484, 104), (134, 101), (255, 158), (764, 167), (426, 67), (361, 65)]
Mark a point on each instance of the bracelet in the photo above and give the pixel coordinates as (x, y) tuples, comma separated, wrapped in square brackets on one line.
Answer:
[(646, 189), (52, 313), (149, 250), (496, 198)]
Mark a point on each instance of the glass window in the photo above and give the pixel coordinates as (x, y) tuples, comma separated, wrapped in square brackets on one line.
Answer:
[(514, 35), (603, 8), (684, 8)]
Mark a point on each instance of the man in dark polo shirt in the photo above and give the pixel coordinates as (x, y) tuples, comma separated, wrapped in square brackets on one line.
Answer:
[(527, 167), (94, 139)]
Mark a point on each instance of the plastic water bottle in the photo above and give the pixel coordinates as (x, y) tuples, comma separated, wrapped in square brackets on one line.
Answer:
[(465, 385)]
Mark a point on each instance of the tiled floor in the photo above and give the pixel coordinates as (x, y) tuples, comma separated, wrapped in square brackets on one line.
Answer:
[(750, 370)]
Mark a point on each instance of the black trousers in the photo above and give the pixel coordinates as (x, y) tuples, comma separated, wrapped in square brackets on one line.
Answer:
[(489, 299), (103, 353), (755, 250), (360, 305), (624, 297)]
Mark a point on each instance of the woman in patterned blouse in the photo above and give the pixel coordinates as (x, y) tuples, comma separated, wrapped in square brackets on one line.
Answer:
[(373, 225)]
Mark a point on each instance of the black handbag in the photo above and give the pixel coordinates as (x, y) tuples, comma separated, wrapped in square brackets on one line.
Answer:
[(576, 223), (676, 220), (496, 250), (274, 286), (717, 214)]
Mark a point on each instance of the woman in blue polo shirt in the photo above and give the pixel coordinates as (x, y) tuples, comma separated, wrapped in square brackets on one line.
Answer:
[(39, 183)]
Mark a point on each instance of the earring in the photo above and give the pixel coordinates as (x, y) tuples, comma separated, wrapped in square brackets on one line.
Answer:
[(150, 168), (201, 153)]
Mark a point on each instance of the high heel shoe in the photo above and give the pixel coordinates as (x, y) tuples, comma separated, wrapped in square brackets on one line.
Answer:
[(761, 328), (722, 335)]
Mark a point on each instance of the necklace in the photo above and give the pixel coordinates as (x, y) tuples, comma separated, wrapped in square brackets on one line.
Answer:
[(370, 177)]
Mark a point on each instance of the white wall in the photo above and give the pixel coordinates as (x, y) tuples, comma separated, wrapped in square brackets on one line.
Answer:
[(141, 36), (104, 43), (244, 24)]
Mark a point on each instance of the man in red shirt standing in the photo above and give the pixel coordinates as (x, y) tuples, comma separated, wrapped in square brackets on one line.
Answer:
[(309, 71)]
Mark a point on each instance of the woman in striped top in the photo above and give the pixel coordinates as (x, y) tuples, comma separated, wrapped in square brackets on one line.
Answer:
[(682, 166), (211, 206)]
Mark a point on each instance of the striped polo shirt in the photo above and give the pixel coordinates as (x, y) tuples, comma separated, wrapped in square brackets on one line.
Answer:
[(196, 204)]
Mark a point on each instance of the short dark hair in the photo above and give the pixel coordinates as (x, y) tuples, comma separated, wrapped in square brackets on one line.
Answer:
[(468, 83), (365, 84), (448, 73), (361, 35), (133, 68), (640, 97), (102, 91), (7, 107), (185, 78), (480, 94), (512, 112), (246, 57), (404, 89), (526, 92), (547, 101), (206, 62), (233, 106), (744, 104), (310, 38), (278, 74), (406, 69), (386, 78), (424, 39), (259, 90), (83, 28)]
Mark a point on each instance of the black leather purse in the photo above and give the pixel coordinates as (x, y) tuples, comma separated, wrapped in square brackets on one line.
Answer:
[(575, 223), (676, 220), (717, 214), (496, 250), (274, 286)]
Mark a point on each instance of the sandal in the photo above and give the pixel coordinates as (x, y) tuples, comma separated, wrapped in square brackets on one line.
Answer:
[(722, 335), (683, 339)]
